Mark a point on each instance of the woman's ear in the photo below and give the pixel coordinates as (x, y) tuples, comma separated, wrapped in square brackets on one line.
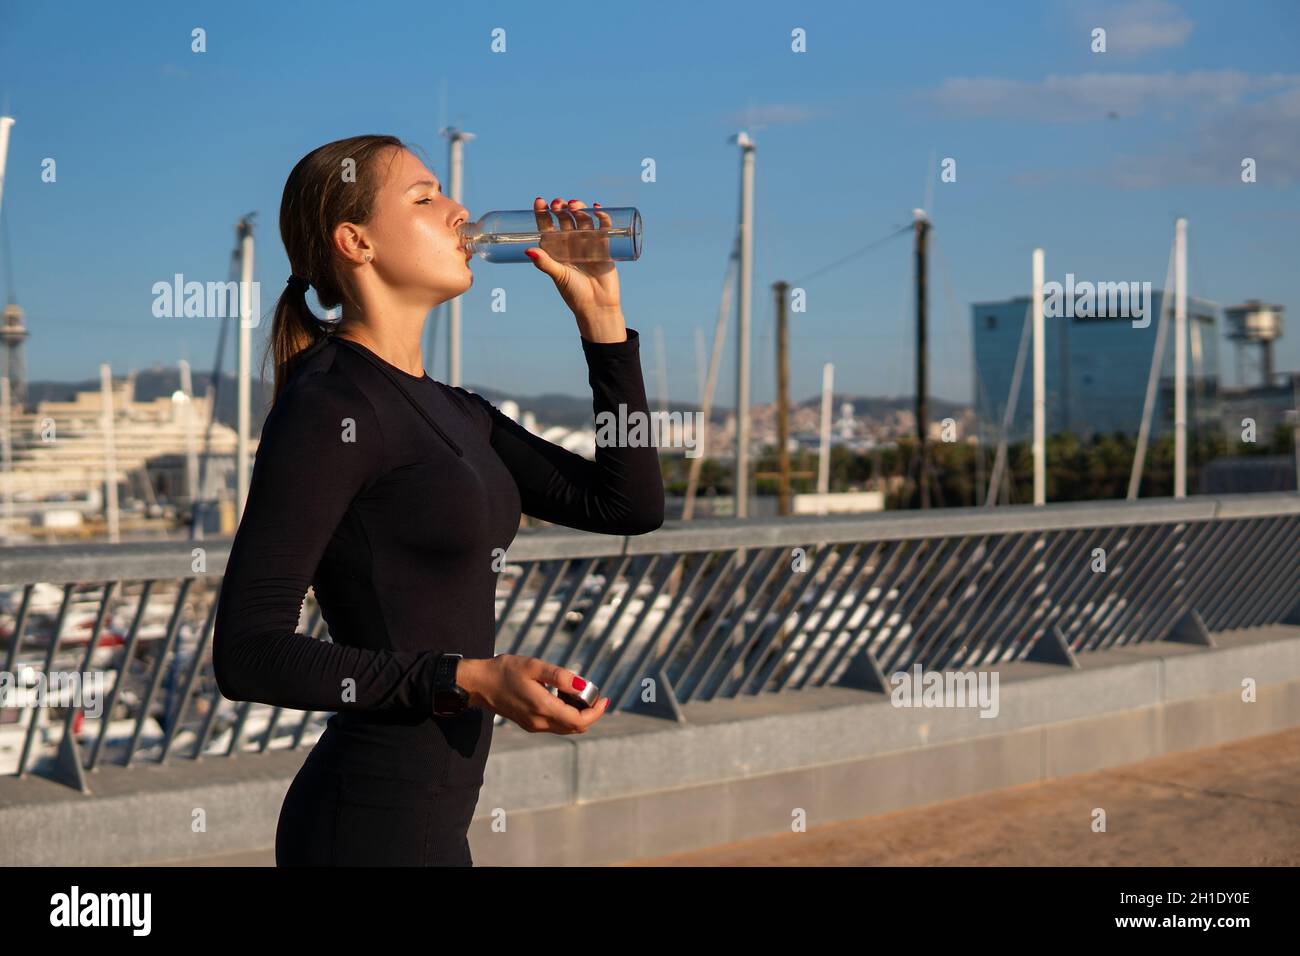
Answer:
[(350, 243)]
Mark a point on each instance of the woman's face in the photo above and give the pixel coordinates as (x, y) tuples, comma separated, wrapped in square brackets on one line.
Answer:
[(412, 232)]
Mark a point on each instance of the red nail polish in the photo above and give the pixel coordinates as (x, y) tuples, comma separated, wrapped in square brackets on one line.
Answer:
[(579, 683), (531, 253)]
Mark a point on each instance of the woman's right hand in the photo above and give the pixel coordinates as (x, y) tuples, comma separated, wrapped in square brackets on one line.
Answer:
[(588, 286), (513, 686)]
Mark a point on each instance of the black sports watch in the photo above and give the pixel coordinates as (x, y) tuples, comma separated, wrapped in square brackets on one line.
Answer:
[(449, 698)]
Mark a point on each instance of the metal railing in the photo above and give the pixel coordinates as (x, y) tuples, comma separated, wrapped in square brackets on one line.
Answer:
[(694, 612)]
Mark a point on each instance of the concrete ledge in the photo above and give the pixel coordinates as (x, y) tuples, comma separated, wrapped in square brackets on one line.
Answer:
[(146, 813), (641, 786), (755, 736)]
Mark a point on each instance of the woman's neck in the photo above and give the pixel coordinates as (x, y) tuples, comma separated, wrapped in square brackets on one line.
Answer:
[(399, 347)]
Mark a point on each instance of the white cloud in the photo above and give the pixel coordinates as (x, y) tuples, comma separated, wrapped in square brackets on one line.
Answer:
[(1267, 131), (1141, 26), (1209, 151), (1084, 97)]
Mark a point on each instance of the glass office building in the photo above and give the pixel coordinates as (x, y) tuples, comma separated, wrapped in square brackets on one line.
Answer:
[(1096, 370)]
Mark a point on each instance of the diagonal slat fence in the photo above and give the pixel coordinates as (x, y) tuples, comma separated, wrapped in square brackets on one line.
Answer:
[(699, 611)]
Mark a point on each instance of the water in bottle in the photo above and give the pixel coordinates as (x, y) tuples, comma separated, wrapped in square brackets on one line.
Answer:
[(567, 235)]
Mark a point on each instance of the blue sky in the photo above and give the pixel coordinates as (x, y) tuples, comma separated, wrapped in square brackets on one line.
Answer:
[(159, 150)]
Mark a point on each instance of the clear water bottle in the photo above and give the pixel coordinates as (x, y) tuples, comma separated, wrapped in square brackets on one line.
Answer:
[(577, 235)]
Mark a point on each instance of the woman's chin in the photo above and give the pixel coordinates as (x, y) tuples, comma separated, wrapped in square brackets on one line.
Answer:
[(462, 286), (449, 288)]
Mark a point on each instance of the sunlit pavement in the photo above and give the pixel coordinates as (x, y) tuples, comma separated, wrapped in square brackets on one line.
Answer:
[(1233, 805)]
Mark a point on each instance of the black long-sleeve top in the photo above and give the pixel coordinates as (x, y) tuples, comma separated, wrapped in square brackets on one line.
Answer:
[(399, 523)]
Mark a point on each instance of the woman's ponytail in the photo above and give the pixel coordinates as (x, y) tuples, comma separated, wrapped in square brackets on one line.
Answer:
[(332, 184), (293, 329)]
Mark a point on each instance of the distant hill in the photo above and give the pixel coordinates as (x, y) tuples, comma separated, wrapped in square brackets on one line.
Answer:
[(573, 411), (551, 408)]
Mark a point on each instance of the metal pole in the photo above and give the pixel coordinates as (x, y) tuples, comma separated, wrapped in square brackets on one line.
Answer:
[(6, 453), (1153, 381), (191, 449), (715, 359), (742, 337), (921, 227), (455, 164), (1040, 387), (5, 123), (998, 480), (245, 232), (1180, 359), (782, 400), (824, 453), (110, 459)]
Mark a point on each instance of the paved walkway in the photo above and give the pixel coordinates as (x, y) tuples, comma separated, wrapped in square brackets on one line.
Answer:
[(1233, 805)]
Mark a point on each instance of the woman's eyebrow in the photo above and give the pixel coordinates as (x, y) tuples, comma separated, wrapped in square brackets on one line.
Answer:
[(422, 182)]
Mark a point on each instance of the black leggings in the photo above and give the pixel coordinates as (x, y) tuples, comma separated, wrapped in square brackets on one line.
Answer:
[(337, 817)]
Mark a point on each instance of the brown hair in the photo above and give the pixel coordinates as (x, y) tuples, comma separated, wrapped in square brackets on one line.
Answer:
[(333, 183)]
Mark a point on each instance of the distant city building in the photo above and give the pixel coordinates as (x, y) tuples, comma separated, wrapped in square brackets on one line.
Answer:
[(59, 452), (1254, 326), (13, 332), (1096, 370)]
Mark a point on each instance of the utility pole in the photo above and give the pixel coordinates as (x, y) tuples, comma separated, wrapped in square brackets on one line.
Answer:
[(742, 338), (1180, 359), (455, 150), (921, 227), (783, 474), (782, 401)]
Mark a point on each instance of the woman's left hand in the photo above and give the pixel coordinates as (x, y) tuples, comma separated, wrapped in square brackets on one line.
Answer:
[(589, 289)]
